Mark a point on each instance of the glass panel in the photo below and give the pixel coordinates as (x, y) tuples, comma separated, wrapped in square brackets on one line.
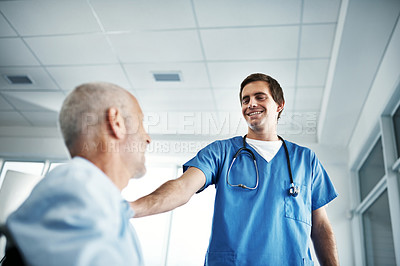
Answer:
[(191, 229), (152, 231), (54, 165), (24, 167), (378, 235), (372, 170), (396, 123)]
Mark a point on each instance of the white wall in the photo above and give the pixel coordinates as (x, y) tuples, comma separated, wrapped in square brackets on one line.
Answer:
[(382, 97)]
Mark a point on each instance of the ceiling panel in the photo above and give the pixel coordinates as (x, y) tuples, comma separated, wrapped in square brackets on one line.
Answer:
[(174, 46), (247, 13), (49, 17), (42, 119), (312, 72), (12, 119), (70, 77), (317, 41), (5, 28), (193, 75), (41, 80), (72, 50), (4, 105), (321, 11), (251, 43), (129, 15), (48, 100), (308, 99), (15, 53), (176, 100), (22, 105), (231, 74)]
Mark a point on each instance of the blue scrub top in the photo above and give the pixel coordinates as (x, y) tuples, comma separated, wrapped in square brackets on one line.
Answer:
[(265, 226)]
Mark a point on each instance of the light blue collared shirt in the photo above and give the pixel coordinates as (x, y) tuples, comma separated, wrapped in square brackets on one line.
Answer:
[(76, 216)]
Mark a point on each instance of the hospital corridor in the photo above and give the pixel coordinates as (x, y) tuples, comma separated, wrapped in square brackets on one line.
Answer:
[(204, 79)]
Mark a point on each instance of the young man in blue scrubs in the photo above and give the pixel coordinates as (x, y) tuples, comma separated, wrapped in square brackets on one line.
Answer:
[(263, 214), (76, 214)]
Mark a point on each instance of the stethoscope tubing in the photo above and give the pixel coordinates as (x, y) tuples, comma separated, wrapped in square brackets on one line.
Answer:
[(293, 190)]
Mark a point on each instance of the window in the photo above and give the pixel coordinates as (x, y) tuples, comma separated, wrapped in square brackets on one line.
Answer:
[(153, 230), (372, 170), (378, 234), (179, 237), (396, 125), (374, 209), (54, 165), (376, 215), (34, 168), (191, 229)]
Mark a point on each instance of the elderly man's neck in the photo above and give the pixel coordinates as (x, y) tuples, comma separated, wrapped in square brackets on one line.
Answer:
[(109, 163)]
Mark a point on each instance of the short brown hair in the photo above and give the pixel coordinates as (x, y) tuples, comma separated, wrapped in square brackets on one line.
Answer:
[(274, 87)]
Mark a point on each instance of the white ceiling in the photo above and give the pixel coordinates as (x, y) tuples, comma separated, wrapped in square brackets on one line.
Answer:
[(214, 45)]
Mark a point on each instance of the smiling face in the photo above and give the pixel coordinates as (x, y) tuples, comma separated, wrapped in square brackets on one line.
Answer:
[(259, 108)]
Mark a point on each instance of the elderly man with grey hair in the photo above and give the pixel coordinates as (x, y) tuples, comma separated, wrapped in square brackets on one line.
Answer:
[(76, 215)]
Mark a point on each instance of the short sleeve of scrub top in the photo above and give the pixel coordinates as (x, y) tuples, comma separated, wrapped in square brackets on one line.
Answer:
[(322, 188), (208, 160)]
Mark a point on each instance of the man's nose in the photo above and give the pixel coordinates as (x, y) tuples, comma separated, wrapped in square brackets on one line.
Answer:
[(147, 138), (252, 103)]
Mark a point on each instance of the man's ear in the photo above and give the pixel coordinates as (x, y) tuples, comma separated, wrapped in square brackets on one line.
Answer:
[(116, 123), (280, 107)]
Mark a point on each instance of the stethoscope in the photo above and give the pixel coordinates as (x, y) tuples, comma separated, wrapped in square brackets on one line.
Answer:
[(293, 190)]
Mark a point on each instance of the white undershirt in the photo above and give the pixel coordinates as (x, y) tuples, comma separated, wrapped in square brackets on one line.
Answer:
[(267, 149)]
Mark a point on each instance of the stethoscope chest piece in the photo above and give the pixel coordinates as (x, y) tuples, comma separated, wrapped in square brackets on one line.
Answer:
[(294, 190)]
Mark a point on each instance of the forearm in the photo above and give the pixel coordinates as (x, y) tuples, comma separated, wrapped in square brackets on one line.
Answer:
[(166, 198), (324, 241), (171, 194), (325, 246)]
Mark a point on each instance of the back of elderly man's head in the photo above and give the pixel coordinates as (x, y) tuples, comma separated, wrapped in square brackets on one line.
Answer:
[(84, 111)]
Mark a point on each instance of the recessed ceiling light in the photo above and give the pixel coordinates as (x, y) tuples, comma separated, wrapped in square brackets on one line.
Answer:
[(167, 77), (18, 79)]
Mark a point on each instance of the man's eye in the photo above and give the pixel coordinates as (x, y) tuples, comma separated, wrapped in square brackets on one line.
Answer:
[(245, 101)]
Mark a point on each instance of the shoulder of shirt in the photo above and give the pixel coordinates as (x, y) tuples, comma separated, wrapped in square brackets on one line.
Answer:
[(75, 187), (78, 177), (230, 141), (298, 148)]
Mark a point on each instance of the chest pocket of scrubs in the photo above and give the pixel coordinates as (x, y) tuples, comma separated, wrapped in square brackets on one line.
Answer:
[(299, 208)]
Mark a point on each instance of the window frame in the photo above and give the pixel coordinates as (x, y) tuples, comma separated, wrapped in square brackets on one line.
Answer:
[(396, 164), (397, 152), (389, 182), (360, 164)]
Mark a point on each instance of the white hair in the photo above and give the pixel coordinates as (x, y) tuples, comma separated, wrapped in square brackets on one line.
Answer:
[(86, 106)]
